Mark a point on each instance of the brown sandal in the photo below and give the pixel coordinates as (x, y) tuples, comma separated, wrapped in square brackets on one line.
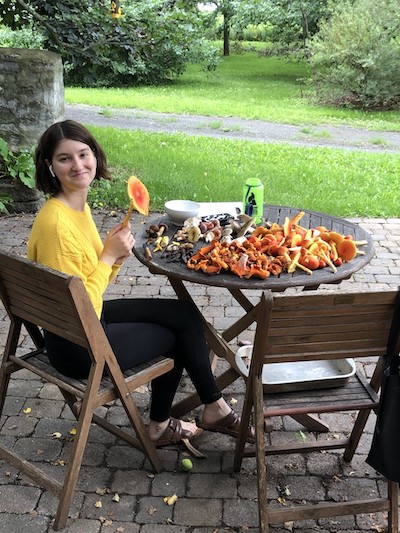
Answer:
[(229, 425), (174, 434)]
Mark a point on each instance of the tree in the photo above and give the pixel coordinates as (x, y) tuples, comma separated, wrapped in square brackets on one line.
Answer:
[(226, 8), (356, 56), (153, 41)]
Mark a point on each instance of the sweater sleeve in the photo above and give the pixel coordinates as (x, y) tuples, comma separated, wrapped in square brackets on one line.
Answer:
[(72, 246)]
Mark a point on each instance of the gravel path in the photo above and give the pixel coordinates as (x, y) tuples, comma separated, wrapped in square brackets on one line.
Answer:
[(236, 128)]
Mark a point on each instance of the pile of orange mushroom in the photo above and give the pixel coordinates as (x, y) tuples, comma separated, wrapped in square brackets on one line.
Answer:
[(271, 250)]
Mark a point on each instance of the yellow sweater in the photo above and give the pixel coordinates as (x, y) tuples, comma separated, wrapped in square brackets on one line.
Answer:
[(67, 240)]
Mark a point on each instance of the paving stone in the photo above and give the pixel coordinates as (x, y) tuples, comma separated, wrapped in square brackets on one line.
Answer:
[(170, 482), (120, 527), (198, 512), (15, 498), (48, 504), (38, 449), (153, 510), (122, 510), (212, 486), (19, 426), (83, 526), (20, 523), (124, 457), (243, 512), (163, 528)]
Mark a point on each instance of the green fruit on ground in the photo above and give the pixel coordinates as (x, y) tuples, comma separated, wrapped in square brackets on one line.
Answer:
[(187, 464)]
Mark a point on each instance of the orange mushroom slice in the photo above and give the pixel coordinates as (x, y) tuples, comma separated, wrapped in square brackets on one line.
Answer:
[(139, 198)]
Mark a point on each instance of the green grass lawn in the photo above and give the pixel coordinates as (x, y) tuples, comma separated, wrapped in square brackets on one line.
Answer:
[(339, 182), (246, 85)]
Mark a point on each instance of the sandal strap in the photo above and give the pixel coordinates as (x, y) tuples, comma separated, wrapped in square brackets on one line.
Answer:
[(174, 433)]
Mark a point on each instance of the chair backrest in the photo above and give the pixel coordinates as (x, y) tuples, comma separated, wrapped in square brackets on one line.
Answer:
[(34, 294), (331, 325)]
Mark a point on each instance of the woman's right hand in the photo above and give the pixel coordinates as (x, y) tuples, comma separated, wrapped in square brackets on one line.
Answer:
[(118, 244)]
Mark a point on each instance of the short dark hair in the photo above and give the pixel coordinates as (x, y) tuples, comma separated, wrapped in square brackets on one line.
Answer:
[(67, 129)]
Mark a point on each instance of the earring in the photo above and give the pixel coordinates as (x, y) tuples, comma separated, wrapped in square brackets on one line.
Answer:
[(51, 171)]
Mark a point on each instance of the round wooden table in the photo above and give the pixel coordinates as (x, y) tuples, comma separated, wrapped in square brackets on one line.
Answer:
[(159, 264), (178, 275)]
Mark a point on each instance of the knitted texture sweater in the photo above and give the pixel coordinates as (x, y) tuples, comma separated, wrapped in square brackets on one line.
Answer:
[(68, 240)]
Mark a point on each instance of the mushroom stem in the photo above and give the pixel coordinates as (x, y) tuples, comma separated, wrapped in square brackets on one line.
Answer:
[(128, 214)]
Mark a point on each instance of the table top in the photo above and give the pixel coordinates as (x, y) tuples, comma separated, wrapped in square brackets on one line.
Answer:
[(160, 264)]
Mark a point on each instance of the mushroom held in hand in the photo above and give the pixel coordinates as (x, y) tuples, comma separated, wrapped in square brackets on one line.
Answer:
[(139, 196)]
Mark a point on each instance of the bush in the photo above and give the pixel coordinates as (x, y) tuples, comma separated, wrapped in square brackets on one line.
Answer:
[(25, 38), (355, 58), (153, 41)]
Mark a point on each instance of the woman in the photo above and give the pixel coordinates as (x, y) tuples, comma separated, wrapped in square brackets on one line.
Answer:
[(64, 237)]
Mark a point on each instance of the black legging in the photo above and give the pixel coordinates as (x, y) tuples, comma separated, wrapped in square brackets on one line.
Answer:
[(138, 331)]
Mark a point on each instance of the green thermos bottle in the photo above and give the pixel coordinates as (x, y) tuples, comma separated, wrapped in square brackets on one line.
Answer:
[(253, 199)]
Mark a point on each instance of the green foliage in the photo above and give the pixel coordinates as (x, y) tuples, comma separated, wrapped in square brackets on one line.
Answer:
[(287, 23), (24, 38), (151, 42), (17, 165), (356, 55)]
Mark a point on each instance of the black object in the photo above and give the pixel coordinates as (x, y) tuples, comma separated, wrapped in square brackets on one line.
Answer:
[(222, 217), (385, 446)]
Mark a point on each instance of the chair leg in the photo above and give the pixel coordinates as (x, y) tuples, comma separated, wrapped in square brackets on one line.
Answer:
[(241, 440), (260, 456), (78, 449), (5, 371), (355, 434), (393, 516)]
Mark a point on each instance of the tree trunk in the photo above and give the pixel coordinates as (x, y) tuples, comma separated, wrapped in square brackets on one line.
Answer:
[(226, 35)]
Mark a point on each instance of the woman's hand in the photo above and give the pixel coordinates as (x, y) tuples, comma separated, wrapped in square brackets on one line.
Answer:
[(118, 245)]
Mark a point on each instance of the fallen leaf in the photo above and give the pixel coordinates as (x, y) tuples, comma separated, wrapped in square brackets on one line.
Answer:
[(39, 452), (302, 436), (27, 410), (98, 504), (56, 435), (72, 431), (170, 500), (151, 510), (102, 491), (233, 401), (120, 529), (116, 498), (169, 521), (105, 521), (288, 525), (282, 501)]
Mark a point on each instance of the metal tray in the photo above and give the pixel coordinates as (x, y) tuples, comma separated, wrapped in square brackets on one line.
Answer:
[(300, 375)]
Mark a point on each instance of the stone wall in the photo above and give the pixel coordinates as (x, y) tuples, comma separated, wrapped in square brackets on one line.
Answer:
[(31, 94)]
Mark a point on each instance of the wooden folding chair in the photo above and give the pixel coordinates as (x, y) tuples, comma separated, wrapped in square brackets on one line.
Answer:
[(38, 297), (311, 327)]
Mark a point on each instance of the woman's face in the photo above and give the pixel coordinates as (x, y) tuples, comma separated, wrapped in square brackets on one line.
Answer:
[(74, 164)]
